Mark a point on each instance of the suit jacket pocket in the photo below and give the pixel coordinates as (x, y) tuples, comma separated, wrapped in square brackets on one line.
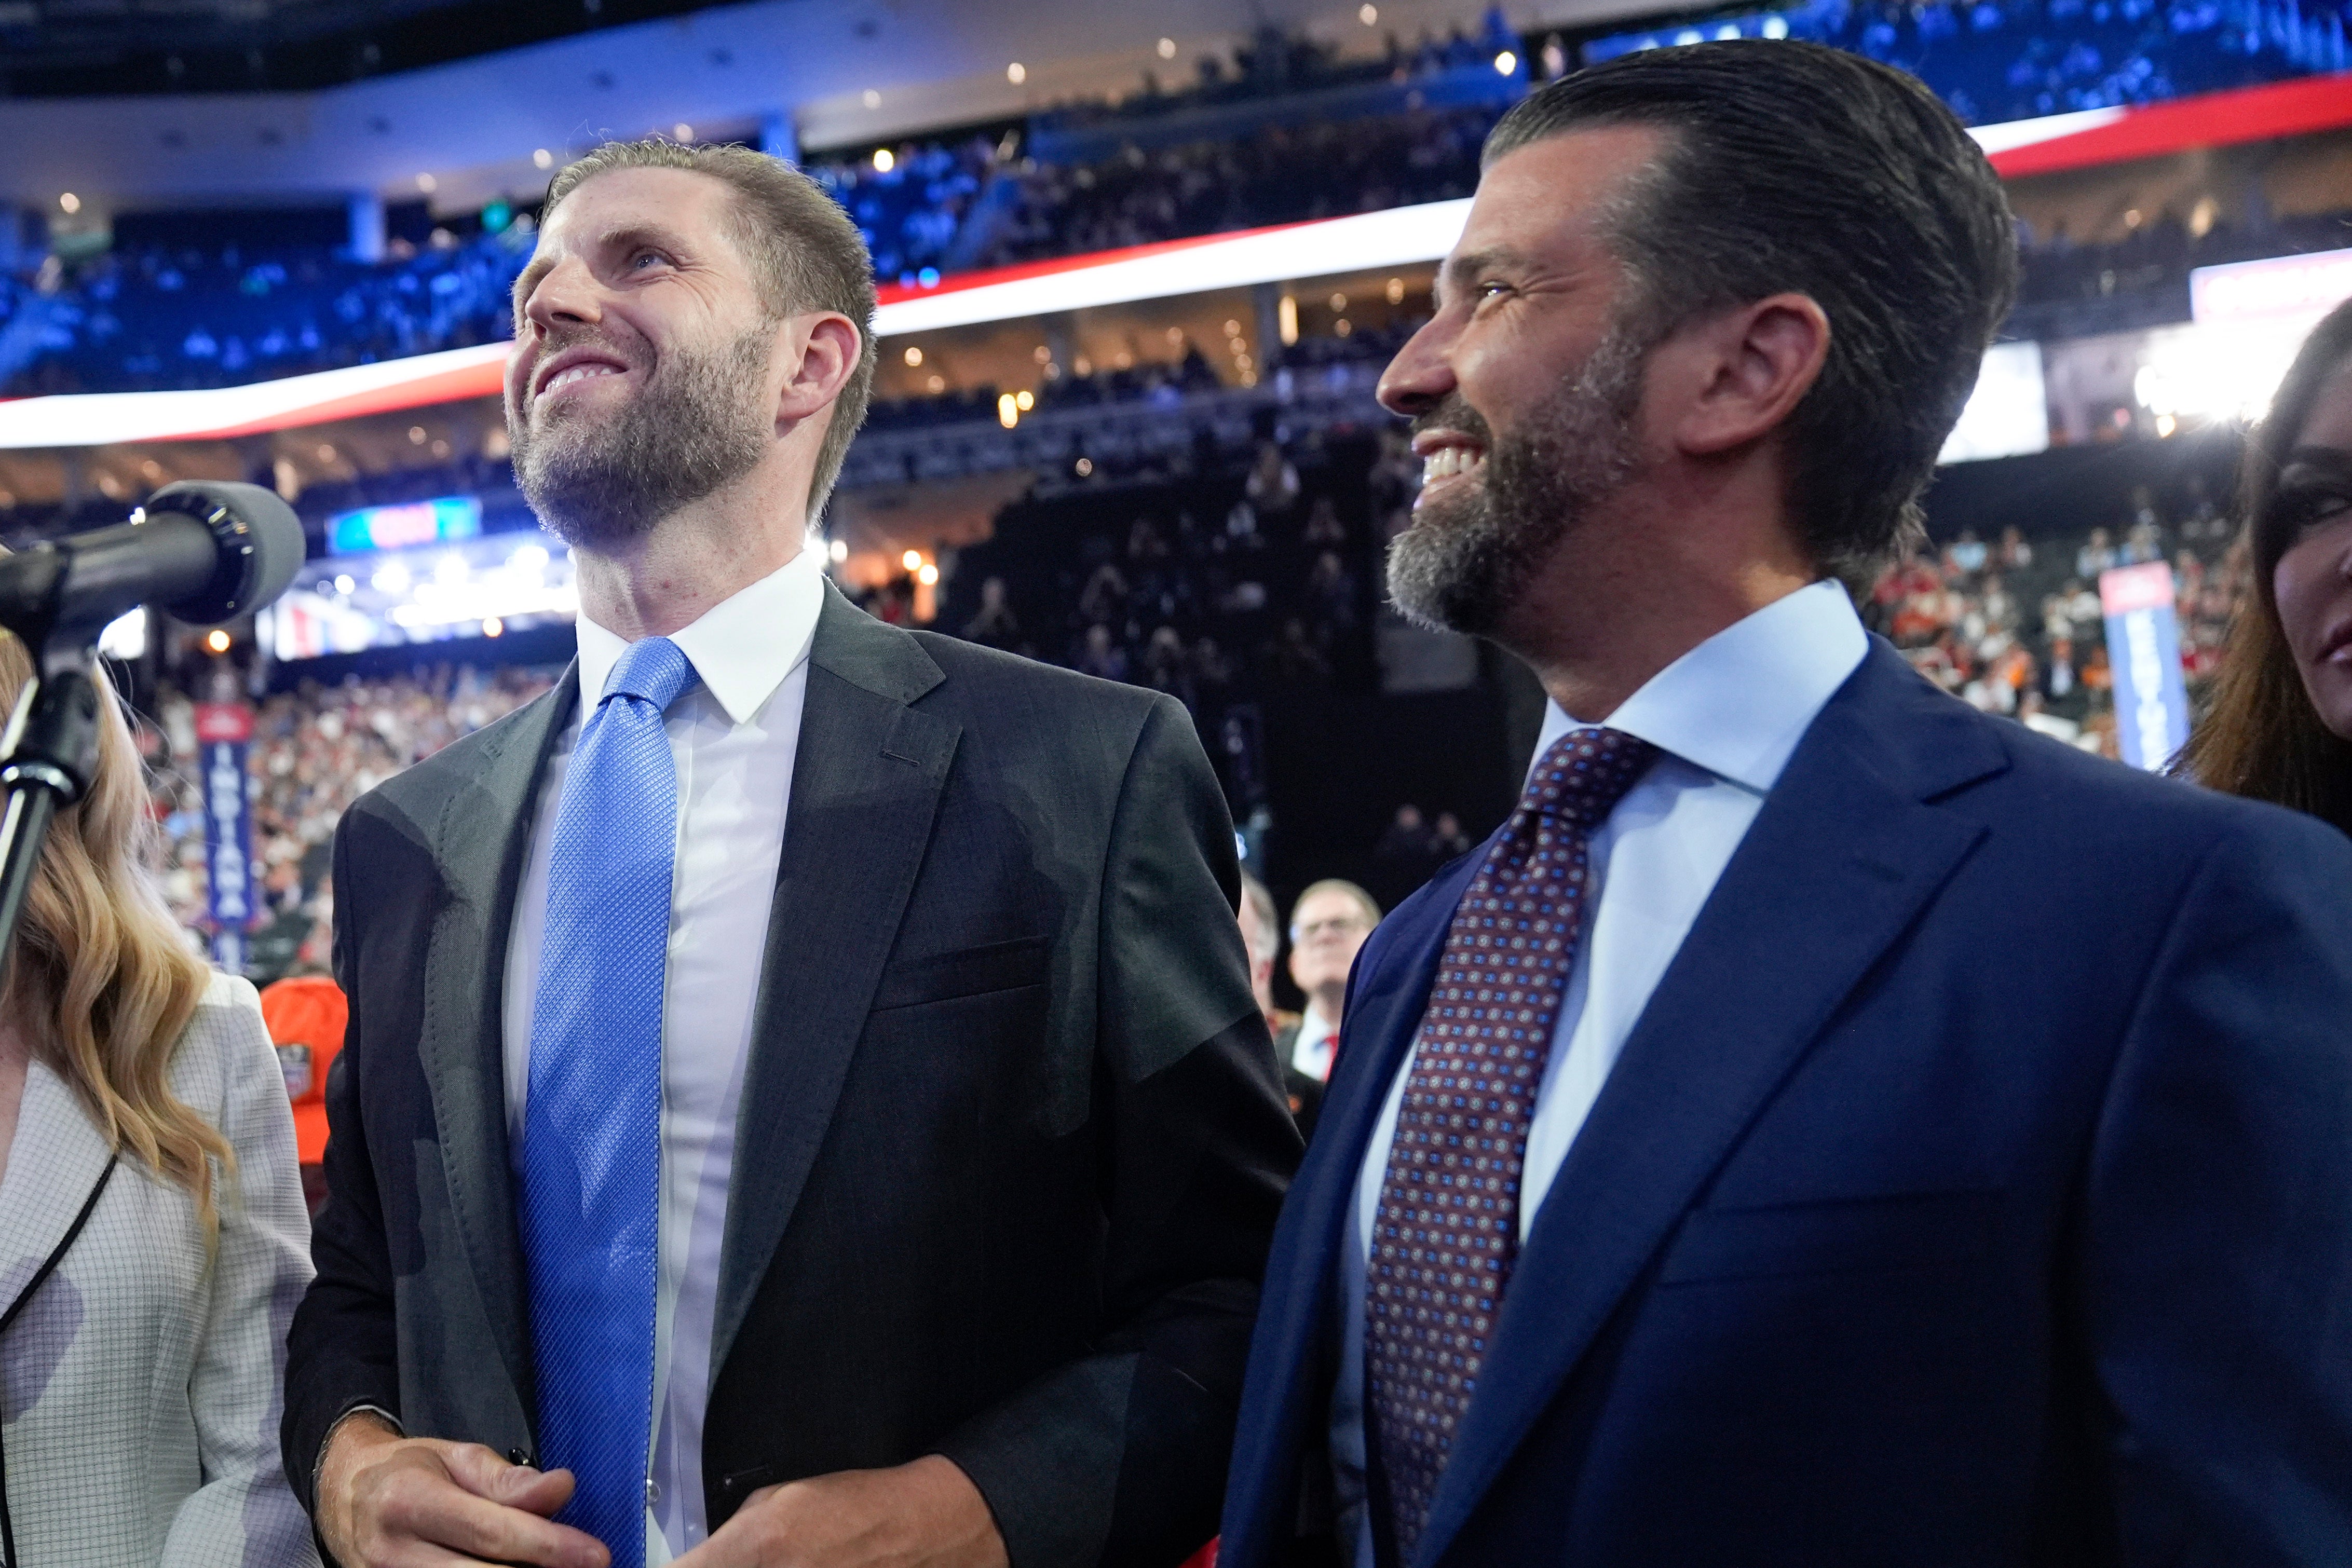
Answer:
[(966, 972), (1857, 1235)]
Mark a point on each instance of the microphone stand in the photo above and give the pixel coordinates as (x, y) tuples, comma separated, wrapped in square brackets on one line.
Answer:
[(47, 757)]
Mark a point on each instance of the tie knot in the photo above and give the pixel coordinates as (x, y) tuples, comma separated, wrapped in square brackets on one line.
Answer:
[(656, 669), (1584, 774)]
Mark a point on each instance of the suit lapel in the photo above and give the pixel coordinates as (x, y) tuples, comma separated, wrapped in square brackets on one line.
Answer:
[(1291, 1355), (865, 787), (1837, 864), (481, 844), (1381, 1019)]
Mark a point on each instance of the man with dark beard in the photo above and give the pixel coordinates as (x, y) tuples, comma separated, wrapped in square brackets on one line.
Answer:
[(1691, 1190), (804, 1099)]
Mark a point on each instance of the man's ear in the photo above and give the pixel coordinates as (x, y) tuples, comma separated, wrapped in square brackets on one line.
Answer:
[(821, 352), (1756, 364)]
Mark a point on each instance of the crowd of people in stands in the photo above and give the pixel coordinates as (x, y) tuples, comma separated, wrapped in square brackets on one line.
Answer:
[(184, 316), (314, 750), (179, 318), (1276, 63), (2016, 628), (2069, 289), (1211, 591), (1999, 60), (1208, 186), (985, 199), (1214, 610)]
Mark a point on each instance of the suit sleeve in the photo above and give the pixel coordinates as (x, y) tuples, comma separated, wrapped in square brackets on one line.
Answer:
[(1119, 1458), (2218, 1275), (340, 1354)]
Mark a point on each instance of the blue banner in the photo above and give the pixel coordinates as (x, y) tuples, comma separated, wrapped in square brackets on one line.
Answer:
[(2143, 651), (224, 731)]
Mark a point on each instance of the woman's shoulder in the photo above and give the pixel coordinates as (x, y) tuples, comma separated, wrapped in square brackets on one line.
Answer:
[(234, 991), (224, 1038)]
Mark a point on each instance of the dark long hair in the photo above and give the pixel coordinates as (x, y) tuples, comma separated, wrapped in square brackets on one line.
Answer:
[(2264, 739)]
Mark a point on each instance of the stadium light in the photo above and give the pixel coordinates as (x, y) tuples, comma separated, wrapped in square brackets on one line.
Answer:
[(1505, 63), (912, 560), (1016, 73), (541, 157), (71, 202), (1167, 49), (1008, 412), (1368, 15), (427, 184), (873, 100), (883, 160)]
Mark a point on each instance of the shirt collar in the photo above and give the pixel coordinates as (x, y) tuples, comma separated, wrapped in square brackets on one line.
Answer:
[(742, 647), (1738, 704)]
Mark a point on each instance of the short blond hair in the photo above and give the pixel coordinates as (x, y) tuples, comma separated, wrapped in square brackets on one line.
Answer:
[(1364, 900), (807, 255)]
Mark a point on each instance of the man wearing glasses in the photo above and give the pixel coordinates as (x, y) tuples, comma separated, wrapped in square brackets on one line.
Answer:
[(1328, 925)]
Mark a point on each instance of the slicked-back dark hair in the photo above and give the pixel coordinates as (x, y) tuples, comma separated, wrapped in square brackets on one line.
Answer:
[(1791, 167)]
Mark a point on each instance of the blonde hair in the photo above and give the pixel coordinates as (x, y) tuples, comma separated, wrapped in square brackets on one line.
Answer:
[(101, 972)]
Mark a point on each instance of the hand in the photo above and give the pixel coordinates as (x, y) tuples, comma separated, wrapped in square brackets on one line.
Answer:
[(389, 1502), (927, 1515)]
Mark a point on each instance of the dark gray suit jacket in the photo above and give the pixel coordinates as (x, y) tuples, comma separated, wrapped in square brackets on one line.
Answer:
[(1012, 1139)]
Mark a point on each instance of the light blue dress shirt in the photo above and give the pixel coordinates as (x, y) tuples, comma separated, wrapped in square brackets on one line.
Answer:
[(1727, 716)]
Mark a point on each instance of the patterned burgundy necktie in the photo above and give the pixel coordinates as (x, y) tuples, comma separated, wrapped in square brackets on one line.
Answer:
[(1448, 1226)]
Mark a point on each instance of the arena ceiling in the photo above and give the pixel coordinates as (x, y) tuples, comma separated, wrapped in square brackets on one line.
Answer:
[(66, 49)]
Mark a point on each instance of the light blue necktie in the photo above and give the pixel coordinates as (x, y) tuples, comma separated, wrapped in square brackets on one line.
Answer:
[(591, 1123)]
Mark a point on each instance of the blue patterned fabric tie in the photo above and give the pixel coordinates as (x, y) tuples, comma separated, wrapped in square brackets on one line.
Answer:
[(1447, 1229), (591, 1122)]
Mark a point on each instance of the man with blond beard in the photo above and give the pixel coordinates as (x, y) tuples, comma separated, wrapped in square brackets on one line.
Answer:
[(803, 1101)]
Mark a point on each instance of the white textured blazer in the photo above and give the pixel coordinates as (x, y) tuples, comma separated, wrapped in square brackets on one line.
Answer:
[(143, 1384)]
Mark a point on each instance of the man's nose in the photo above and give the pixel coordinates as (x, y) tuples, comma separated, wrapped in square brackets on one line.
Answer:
[(1418, 378), (565, 295)]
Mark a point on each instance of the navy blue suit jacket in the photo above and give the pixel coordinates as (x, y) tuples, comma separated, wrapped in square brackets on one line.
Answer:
[(1975, 1189)]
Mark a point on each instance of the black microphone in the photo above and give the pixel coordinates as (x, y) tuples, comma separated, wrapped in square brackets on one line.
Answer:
[(205, 550)]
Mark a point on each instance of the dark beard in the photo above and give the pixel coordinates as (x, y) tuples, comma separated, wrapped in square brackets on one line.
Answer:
[(1466, 560), (695, 427)]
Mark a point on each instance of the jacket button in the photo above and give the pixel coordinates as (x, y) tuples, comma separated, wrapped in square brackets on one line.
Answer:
[(517, 1456)]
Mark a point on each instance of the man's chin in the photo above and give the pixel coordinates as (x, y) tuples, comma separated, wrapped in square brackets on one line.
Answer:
[(1445, 571)]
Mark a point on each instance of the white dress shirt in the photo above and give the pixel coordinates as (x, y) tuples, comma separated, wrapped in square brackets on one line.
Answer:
[(1727, 716), (733, 736), (1318, 1042)]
